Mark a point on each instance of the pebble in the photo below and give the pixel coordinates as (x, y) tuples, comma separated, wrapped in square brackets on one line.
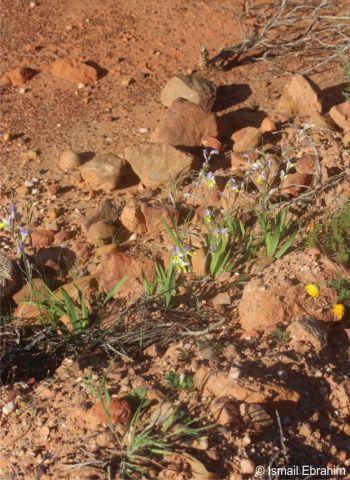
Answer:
[(8, 408), (247, 466), (69, 159), (28, 184), (235, 373)]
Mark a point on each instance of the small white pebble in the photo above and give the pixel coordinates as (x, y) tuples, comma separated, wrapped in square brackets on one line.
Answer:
[(143, 130), (235, 373), (35, 191), (28, 184), (8, 408), (32, 4), (22, 90), (81, 85)]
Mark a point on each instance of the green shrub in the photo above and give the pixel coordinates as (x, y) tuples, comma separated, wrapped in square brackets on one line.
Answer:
[(332, 236)]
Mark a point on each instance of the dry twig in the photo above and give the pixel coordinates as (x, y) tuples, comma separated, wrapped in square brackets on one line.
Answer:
[(289, 28)]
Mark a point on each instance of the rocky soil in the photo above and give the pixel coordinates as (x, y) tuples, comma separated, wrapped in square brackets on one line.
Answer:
[(127, 163)]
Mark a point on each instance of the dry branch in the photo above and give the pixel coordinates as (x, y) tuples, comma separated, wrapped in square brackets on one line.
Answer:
[(312, 31)]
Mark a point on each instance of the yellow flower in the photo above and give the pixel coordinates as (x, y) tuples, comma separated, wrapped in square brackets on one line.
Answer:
[(338, 311), (313, 290)]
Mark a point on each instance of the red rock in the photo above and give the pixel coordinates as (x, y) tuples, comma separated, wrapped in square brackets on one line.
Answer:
[(279, 297), (158, 165), (299, 96), (246, 139), (306, 164), (28, 291), (267, 125), (185, 124), (154, 216), (27, 311), (294, 184), (42, 238), (199, 261), (118, 265), (104, 172), (132, 218), (20, 76), (340, 114), (118, 412), (309, 330), (73, 71), (212, 142)]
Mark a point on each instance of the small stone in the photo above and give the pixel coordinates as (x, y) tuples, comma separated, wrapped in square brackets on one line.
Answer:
[(69, 159), (235, 373), (221, 300), (230, 352), (247, 466), (212, 142), (306, 164), (106, 249), (346, 429), (158, 165), (185, 124), (8, 408), (104, 172), (245, 139), (309, 330), (305, 430), (199, 261), (100, 233), (42, 238), (73, 71), (6, 137), (118, 412), (267, 125), (193, 88), (340, 114), (299, 96)]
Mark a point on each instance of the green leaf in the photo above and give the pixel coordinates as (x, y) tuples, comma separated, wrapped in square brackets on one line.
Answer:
[(71, 309), (114, 290), (287, 244)]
